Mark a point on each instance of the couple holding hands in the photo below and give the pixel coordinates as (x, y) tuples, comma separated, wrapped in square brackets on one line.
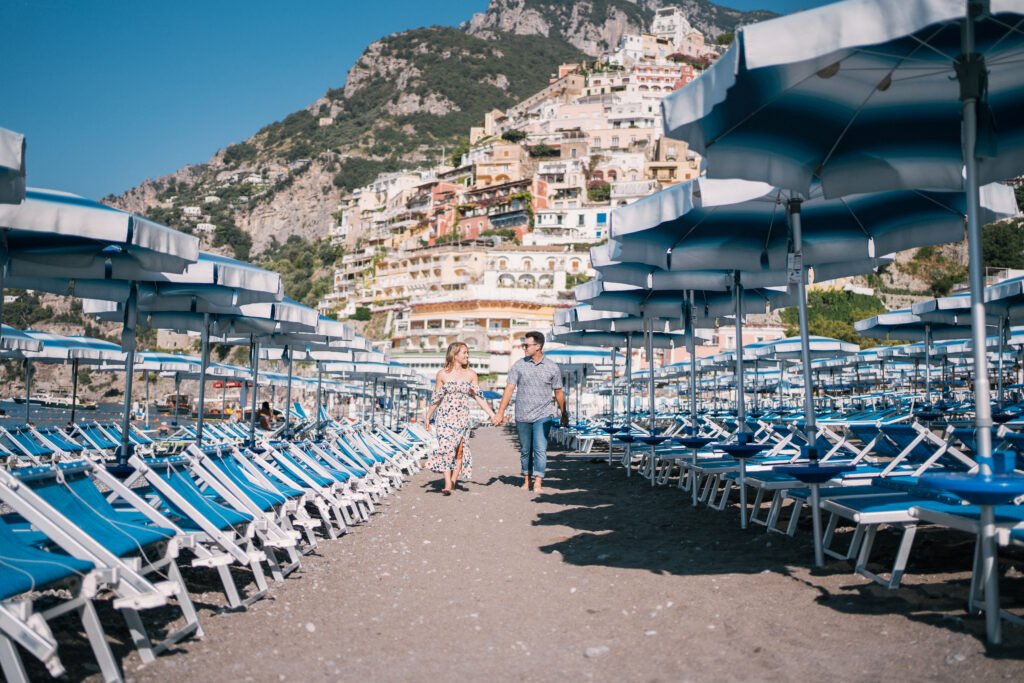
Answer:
[(537, 383)]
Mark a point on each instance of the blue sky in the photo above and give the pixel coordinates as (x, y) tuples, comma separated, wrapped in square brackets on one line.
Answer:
[(111, 92)]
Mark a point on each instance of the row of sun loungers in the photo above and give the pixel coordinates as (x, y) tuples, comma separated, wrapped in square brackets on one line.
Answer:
[(73, 533), (884, 453)]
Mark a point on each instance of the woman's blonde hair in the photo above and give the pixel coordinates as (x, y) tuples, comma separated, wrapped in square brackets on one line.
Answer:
[(449, 356)]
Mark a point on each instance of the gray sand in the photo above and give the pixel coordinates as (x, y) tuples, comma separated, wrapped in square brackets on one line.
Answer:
[(600, 578)]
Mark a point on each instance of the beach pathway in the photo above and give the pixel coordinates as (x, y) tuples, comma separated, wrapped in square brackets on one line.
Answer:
[(600, 578)]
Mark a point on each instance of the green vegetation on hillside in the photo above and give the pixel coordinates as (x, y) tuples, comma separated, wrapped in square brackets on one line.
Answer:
[(832, 312), (449, 66), (305, 267), (1003, 244)]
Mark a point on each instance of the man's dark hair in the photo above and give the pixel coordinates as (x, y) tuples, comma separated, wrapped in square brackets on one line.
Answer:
[(537, 337)]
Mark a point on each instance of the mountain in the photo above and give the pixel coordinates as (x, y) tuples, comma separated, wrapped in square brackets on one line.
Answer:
[(595, 26), (409, 100)]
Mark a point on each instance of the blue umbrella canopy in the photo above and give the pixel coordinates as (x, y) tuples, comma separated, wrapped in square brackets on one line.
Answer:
[(878, 88), (210, 284), (742, 225), (12, 167), (820, 347)]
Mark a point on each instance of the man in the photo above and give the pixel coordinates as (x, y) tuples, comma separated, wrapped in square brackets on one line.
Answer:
[(536, 378)]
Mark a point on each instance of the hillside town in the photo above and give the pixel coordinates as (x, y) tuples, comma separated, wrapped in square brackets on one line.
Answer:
[(489, 249)]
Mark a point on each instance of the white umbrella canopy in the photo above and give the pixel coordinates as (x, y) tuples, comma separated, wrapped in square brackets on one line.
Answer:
[(12, 167), (60, 228), (601, 294)]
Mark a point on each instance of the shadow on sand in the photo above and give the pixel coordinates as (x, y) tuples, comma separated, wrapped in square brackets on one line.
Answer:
[(625, 523)]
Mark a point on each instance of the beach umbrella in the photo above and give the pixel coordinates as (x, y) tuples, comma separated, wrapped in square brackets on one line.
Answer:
[(55, 348), (745, 225), (213, 285), (12, 167), (925, 97), (50, 229), (935, 323)]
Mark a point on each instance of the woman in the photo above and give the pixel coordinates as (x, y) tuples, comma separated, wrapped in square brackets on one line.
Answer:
[(454, 385)]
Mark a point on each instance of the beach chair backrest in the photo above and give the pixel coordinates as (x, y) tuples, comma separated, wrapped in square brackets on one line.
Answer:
[(97, 437), (173, 471), (25, 441), (68, 488)]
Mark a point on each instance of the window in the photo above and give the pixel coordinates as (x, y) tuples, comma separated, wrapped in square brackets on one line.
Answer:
[(551, 264), (527, 264), (572, 153), (580, 220), (574, 265), (602, 218), (615, 141)]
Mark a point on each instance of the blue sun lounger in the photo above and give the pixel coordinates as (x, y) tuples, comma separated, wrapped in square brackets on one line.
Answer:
[(221, 535), (24, 569), (127, 544)]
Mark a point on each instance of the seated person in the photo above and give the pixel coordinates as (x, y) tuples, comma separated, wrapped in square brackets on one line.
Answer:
[(265, 416)]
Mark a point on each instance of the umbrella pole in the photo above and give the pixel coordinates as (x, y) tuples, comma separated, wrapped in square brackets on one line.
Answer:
[(204, 363), (797, 273), (254, 364), (177, 396), (971, 70), (611, 402), (628, 455), (373, 405), (650, 377), (74, 383), (319, 398), (288, 394), (128, 346), (741, 408), (741, 412), (27, 367), (579, 390), (691, 350), (1002, 338), (928, 364), (145, 381)]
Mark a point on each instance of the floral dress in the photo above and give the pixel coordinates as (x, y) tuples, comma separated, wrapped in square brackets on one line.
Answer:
[(451, 424)]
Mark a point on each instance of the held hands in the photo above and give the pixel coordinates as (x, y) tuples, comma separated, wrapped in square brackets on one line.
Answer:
[(497, 420)]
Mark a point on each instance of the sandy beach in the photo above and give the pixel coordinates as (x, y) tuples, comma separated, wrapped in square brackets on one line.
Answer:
[(600, 578)]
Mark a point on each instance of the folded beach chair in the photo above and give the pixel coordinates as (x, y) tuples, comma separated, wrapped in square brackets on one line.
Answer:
[(26, 569), (65, 447), (286, 468), (127, 544)]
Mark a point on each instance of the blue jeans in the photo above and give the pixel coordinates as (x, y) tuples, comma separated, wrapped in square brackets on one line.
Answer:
[(533, 442)]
